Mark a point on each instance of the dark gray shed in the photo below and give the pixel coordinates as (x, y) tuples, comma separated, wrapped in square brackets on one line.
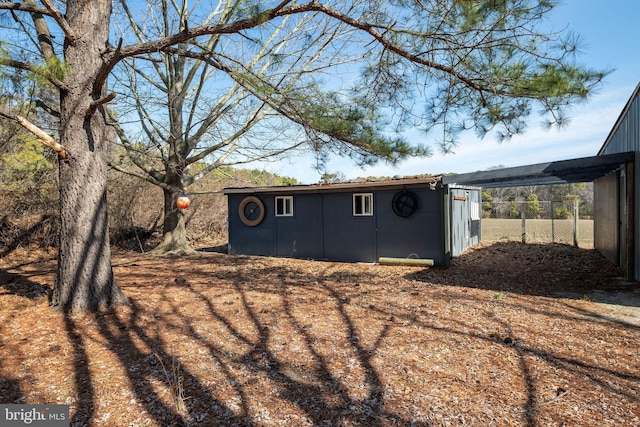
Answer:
[(408, 218)]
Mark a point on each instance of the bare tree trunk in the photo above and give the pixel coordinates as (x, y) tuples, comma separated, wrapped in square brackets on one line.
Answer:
[(174, 237), (85, 278)]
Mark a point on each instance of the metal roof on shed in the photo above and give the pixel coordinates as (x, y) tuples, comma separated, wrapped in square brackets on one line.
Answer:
[(415, 181), (584, 169)]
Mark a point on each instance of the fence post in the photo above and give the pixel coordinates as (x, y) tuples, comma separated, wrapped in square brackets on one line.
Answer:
[(553, 224), (575, 222), (524, 228)]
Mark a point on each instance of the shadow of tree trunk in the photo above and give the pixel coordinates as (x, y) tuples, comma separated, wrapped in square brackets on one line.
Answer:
[(162, 366), (85, 392)]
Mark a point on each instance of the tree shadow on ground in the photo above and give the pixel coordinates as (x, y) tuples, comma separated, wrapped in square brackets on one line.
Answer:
[(550, 270), (10, 391), (19, 284), (311, 387), (313, 384), (199, 345)]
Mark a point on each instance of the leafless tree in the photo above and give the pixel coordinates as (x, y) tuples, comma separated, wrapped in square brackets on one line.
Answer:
[(479, 65)]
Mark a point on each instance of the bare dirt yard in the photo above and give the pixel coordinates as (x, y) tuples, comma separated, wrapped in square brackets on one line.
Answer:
[(511, 335)]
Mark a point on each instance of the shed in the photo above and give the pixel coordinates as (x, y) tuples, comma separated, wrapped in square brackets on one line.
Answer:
[(406, 218)]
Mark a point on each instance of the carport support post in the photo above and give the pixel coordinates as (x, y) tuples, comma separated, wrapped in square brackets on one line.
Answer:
[(576, 204), (524, 227)]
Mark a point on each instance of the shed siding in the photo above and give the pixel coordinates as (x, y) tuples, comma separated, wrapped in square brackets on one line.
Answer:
[(247, 240), (347, 237), (465, 219), (606, 216), (624, 137), (300, 235), (418, 236)]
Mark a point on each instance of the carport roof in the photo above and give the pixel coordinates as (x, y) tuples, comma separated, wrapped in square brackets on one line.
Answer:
[(584, 169)]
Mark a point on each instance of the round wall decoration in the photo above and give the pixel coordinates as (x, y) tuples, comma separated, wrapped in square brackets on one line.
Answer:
[(251, 211), (405, 203)]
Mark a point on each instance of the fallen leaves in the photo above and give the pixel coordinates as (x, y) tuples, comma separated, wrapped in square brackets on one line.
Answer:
[(212, 339)]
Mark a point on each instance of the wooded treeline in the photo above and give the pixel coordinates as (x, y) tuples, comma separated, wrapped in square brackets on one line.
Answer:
[(29, 199)]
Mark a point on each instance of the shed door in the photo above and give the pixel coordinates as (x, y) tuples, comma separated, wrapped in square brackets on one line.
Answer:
[(465, 223)]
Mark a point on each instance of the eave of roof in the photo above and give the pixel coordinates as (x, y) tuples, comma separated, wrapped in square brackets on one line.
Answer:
[(414, 181), (586, 169)]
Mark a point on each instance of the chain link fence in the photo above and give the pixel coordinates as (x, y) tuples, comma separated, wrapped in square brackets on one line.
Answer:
[(537, 222)]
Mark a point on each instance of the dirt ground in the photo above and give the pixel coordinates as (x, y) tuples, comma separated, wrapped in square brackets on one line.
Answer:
[(511, 335)]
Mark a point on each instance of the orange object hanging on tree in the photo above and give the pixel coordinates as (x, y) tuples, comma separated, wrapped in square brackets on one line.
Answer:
[(183, 202)]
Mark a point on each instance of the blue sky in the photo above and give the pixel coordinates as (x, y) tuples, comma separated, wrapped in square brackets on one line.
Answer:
[(611, 41)]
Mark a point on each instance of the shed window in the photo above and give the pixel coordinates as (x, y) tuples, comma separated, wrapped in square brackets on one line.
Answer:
[(284, 205), (363, 204), (475, 211)]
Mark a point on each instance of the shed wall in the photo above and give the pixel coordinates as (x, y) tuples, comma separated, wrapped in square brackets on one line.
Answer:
[(347, 237), (300, 235), (624, 137), (465, 219), (246, 240), (418, 236), (323, 227)]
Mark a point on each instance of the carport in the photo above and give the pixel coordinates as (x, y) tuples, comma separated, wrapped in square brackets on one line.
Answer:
[(586, 169), (614, 196)]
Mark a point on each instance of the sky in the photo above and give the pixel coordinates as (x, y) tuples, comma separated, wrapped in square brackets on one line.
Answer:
[(610, 32)]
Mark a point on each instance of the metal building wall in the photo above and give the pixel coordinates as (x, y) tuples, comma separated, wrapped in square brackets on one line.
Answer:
[(606, 216), (625, 137)]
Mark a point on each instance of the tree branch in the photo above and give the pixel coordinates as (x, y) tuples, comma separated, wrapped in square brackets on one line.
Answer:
[(44, 34), (202, 30), (60, 19), (7, 62), (387, 44), (97, 103), (23, 7), (142, 176), (44, 137), (47, 108), (153, 175)]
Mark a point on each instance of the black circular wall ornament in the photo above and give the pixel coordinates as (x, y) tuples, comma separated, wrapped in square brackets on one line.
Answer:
[(251, 211), (405, 203)]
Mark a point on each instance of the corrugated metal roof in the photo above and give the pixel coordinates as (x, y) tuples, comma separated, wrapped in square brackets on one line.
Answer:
[(584, 169)]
